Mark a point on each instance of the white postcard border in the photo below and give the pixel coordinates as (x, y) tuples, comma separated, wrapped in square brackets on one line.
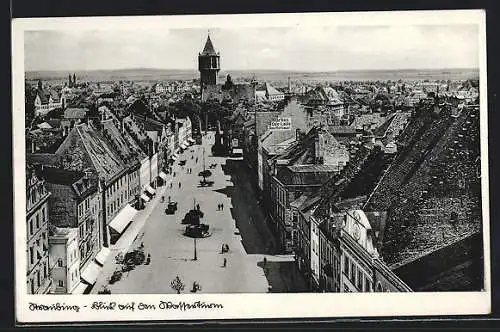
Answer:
[(241, 306)]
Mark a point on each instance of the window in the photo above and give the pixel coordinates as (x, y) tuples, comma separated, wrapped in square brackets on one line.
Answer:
[(60, 262), (367, 285), (32, 256), (346, 266), (44, 270), (379, 287), (31, 226), (32, 285), (82, 253), (360, 281), (38, 280), (353, 272), (37, 218), (43, 214), (61, 283)]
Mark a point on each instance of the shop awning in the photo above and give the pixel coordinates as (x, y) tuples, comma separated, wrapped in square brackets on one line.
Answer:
[(102, 256), (145, 197), (150, 189), (91, 272), (124, 217), (163, 176), (80, 289), (190, 140)]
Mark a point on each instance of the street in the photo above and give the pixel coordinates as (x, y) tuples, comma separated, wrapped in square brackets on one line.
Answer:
[(240, 225)]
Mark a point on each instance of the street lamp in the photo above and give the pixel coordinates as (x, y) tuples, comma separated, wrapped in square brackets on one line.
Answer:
[(194, 238), (195, 256)]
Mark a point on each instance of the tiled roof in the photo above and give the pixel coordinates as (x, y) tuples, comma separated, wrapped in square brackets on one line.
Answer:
[(289, 177), (374, 120), (312, 168), (105, 160), (420, 189), (75, 113), (60, 176), (342, 130), (41, 158), (126, 148), (272, 91)]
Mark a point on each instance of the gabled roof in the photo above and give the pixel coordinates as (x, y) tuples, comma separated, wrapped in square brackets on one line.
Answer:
[(75, 113), (272, 91), (107, 163), (209, 47), (126, 148)]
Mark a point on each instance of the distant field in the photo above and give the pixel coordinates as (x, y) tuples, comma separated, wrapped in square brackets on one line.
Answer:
[(260, 75)]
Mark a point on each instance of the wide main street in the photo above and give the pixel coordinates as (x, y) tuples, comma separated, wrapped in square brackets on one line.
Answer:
[(241, 225)]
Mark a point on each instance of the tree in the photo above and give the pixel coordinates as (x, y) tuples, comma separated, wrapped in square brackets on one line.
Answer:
[(177, 285)]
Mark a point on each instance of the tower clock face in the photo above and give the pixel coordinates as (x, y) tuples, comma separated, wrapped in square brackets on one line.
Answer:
[(356, 232)]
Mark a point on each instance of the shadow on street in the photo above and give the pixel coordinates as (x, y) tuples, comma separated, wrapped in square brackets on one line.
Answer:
[(249, 218), (283, 277)]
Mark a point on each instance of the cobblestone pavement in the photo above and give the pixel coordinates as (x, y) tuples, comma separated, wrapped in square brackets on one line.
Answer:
[(241, 225)]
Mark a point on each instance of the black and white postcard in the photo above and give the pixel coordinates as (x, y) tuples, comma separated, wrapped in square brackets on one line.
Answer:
[(250, 166)]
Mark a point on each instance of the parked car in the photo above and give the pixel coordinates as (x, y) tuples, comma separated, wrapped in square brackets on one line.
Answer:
[(171, 208)]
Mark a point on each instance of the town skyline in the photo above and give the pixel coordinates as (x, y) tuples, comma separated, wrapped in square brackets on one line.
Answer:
[(304, 49)]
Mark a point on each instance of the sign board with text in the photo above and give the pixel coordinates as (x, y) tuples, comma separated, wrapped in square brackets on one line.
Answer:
[(281, 124)]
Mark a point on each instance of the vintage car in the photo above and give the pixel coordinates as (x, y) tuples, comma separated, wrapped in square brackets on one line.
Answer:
[(171, 208)]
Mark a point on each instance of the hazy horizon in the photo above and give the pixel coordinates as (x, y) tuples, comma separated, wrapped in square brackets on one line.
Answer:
[(252, 70)]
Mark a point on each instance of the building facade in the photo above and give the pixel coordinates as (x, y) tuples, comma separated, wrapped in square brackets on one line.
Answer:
[(65, 258), (37, 220)]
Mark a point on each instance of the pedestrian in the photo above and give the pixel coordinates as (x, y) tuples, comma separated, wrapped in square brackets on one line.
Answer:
[(222, 250), (225, 262), (227, 247), (170, 185)]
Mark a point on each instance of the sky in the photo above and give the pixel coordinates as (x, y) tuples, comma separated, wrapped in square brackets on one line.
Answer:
[(276, 48)]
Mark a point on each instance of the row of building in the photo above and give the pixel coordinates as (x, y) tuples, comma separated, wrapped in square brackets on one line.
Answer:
[(82, 195), (321, 177)]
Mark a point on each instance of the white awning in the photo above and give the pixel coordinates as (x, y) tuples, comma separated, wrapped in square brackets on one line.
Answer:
[(184, 146), (163, 175), (91, 272), (145, 197), (174, 157), (186, 143), (150, 189), (124, 217), (191, 140), (80, 289), (102, 256)]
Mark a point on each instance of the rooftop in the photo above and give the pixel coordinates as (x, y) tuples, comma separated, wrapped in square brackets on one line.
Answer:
[(209, 47), (422, 189)]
